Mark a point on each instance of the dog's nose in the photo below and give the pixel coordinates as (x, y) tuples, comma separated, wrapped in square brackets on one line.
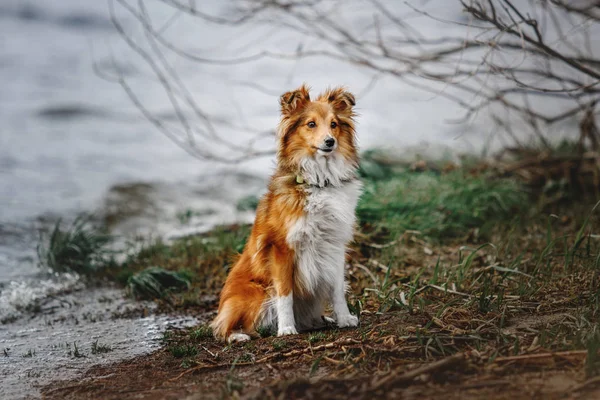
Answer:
[(329, 142)]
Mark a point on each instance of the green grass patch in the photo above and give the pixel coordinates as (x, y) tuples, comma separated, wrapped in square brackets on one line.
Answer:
[(183, 350), (316, 337), (202, 332), (279, 344), (155, 283), (197, 263), (81, 248), (439, 206)]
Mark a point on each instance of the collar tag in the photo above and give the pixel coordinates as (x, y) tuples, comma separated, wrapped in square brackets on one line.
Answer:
[(299, 179)]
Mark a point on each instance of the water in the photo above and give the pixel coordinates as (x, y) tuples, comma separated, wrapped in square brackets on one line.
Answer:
[(58, 342), (70, 142), (67, 136)]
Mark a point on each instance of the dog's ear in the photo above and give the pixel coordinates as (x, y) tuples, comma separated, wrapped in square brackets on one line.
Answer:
[(341, 100), (294, 101)]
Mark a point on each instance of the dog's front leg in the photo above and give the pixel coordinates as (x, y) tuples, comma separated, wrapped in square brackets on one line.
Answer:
[(284, 282), (286, 324), (340, 307)]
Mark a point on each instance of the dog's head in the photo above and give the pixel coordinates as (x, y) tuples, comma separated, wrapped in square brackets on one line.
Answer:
[(320, 128)]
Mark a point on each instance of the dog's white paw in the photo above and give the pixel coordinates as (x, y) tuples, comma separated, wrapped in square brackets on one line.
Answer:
[(328, 320), (237, 337), (346, 321), (287, 330)]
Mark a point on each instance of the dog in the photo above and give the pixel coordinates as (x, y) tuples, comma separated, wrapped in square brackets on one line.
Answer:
[(292, 265)]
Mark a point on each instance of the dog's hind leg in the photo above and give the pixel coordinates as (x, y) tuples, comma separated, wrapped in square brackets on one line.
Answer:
[(238, 315)]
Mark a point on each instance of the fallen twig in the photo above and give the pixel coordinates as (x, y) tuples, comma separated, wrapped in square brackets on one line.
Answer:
[(368, 272), (376, 263), (291, 353), (382, 246), (297, 352), (394, 379), (578, 353), (209, 352), (585, 384)]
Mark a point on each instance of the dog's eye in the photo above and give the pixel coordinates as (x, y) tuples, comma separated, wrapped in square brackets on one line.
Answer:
[(312, 124), (333, 125)]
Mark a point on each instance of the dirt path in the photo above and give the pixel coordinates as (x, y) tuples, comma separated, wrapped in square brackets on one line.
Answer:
[(363, 363)]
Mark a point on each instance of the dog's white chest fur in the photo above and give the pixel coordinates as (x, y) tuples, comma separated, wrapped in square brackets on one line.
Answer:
[(320, 236)]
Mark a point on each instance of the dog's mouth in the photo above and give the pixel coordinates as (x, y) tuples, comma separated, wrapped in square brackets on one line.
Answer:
[(324, 149)]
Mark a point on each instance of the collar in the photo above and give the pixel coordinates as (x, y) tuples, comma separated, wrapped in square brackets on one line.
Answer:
[(300, 181)]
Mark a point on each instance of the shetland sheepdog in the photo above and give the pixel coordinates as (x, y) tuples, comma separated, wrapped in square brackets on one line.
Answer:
[(292, 266)]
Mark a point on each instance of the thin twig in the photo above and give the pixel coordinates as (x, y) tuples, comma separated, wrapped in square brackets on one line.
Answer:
[(393, 378)]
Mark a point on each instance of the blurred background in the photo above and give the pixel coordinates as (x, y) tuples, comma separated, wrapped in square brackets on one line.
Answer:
[(158, 116)]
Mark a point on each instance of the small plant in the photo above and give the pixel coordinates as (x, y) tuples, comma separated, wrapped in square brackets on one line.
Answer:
[(315, 366), (167, 336), (82, 248), (30, 353), (247, 357), (185, 217), (316, 337), (264, 331), (201, 333), (232, 383), (98, 348), (187, 363), (183, 350), (155, 283), (279, 344), (592, 361), (75, 352)]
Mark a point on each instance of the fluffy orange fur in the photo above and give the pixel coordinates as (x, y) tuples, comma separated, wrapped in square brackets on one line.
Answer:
[(266, 268)]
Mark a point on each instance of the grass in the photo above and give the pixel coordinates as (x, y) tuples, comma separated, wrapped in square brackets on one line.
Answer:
[(202, 332), (183, 350), (481, 289), (438, 206), (265, 331), (155, 283), (316, 337), (202, 261), (190, 268), (279, 344), (81, 248), (75, 352), (30, 353), (233, 384), (99, 348)]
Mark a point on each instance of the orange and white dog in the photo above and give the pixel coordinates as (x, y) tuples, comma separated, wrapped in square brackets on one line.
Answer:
[(293, 263)]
